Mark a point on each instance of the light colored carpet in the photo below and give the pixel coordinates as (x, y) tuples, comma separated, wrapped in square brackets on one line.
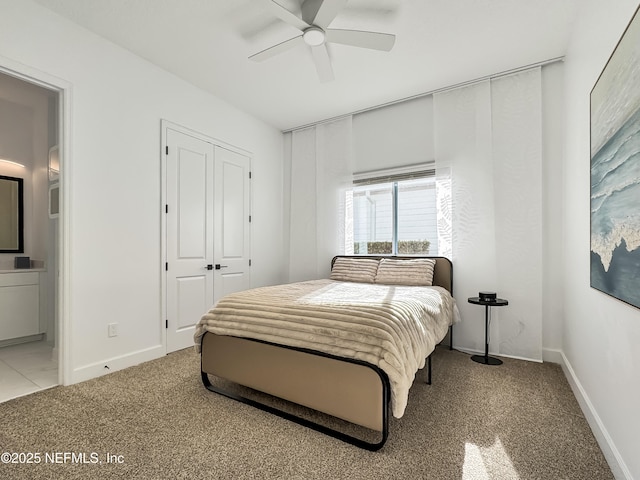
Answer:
[(519, 420)]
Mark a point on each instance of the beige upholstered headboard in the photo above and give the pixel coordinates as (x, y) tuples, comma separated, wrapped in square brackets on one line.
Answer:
[(442, 273)]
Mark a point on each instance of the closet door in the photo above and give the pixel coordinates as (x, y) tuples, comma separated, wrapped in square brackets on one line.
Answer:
[(190, 222), (207, 224), (232, 238)]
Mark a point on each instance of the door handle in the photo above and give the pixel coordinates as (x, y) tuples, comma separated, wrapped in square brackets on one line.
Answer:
[(209, 267), (218, 266)]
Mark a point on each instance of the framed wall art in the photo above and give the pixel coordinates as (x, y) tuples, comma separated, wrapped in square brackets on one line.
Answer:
[(615, 171)]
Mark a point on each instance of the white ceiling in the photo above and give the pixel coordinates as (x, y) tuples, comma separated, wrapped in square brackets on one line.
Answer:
[(438, 43)]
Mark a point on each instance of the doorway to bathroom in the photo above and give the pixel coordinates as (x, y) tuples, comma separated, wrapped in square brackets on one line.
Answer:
[(30, 139)]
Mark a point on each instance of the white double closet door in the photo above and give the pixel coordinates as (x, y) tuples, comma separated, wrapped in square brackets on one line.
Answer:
[(207, 222)]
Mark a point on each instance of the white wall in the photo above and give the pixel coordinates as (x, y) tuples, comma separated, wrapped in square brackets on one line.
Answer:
[(113, 175), (601, 335)]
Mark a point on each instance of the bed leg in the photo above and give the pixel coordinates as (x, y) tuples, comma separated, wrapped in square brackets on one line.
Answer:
[(429, 369), (450, 337)]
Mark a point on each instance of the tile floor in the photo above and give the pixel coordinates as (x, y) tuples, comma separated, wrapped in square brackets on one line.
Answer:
[(26, 368)]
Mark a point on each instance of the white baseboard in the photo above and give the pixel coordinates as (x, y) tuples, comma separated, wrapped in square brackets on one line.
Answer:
[(114, 364), (18, 341), (472, 351), (611, 453), (552, 355)]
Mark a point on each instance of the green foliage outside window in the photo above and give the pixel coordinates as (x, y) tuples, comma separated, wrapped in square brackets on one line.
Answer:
[(405, 247)]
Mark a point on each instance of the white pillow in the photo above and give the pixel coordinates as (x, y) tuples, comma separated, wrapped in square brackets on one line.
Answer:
[(353, 269), (395, 271)]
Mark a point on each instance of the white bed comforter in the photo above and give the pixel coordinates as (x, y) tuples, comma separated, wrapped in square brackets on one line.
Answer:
[(393, 327)]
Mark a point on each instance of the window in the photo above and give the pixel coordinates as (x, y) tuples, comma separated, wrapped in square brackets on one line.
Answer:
[(392, 215)]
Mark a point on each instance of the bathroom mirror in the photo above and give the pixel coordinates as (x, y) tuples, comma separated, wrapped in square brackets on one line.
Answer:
[(11, 215)]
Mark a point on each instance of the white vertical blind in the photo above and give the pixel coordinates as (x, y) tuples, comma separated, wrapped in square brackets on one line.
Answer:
[(462, 120), (303, 227), (444, 213), (321, 170), (517, 160), (489, 136), (334, 170)]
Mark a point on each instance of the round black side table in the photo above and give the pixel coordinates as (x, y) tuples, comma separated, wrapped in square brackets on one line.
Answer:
[(498, 302)]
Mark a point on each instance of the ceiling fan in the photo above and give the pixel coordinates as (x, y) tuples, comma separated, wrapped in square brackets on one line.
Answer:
[(316, 17)]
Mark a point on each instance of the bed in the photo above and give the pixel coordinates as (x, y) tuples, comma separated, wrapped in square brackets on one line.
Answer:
[(348, 346)]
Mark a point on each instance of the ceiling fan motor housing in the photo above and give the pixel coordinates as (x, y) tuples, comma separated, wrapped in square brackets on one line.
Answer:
[(314, 36)]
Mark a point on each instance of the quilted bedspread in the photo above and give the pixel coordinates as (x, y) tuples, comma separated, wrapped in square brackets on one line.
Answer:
[(393, 327)]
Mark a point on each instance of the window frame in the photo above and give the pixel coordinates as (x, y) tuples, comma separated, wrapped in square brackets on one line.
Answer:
[(394, 176)]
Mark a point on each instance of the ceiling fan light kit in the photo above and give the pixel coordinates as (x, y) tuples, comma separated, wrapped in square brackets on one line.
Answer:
[(316, 17), (314, 36)]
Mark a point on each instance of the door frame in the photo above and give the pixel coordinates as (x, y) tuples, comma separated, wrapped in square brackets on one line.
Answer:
[(64, 90), (164, 125)]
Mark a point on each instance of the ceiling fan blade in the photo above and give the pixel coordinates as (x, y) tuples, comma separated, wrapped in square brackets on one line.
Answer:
[(323, 63), (286, 16), (277, 49), (321, 12), (358, 38)]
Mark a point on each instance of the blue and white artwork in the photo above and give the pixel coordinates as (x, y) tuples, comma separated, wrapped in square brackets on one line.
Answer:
[(615, 172)]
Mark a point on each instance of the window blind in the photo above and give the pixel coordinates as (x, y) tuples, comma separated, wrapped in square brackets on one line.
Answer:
[(411, 172)]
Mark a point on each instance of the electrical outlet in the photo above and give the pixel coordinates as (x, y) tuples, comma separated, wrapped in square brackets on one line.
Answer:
[(112, 329)]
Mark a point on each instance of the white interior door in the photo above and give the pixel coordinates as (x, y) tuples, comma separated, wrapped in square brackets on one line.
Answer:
[(189, 243), (232, 232)]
